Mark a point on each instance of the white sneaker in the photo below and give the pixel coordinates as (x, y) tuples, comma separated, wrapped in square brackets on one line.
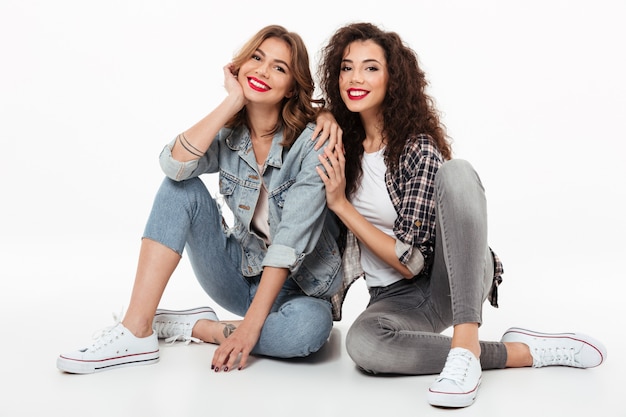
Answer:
[(458, 383), (173, 325), (115, 347), (566, 349)]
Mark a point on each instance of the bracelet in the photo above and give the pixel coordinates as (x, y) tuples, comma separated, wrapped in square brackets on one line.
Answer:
[(180, 140)]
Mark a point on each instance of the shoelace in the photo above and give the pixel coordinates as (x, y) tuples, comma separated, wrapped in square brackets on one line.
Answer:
[(169, 327), (185, 339), (554, 356), (106, 335), (457, 366)]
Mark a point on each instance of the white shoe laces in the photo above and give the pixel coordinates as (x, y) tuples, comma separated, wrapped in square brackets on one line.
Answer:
[(106, 335), (177, 329), (554, 356), (457, 367)]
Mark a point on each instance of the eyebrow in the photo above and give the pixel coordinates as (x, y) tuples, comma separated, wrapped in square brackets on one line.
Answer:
[(365, 61), (279, 61)]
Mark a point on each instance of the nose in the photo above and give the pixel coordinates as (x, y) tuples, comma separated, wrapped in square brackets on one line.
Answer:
[(262, 70), (356, 78)]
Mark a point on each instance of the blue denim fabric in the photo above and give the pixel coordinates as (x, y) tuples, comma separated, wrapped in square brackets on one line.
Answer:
[(228, 262), (185, 217), (302, 230)]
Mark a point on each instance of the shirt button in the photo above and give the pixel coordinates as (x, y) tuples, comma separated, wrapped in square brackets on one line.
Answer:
[(418, 223)]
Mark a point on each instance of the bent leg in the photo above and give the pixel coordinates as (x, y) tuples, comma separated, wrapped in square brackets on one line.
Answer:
[(297, 326), (161, 249), (400, 334), (186, 217), (154, 268), (386, 339), (463, 263)]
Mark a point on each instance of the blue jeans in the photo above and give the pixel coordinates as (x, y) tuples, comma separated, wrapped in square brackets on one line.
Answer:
[(400, 330), (185, 216)]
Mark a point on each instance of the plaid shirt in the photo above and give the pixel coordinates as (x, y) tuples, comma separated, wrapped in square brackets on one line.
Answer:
[(411, 189)]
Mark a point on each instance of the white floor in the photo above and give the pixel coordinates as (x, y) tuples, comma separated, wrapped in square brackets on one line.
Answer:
[(533, 94), (54, 298)]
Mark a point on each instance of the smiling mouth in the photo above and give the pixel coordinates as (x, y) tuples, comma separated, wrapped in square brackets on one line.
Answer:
[(357, 94), (258, 85)]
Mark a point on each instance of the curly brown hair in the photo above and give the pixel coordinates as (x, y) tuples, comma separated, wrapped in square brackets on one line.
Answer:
[(407, 109), (298, 110)]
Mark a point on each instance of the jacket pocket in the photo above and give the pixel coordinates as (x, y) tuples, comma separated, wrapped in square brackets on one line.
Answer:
[(320, 273)]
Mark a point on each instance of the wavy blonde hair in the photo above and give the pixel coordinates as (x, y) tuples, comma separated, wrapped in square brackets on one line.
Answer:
[(299, 109)]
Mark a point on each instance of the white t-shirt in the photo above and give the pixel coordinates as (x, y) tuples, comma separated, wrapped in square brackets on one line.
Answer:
[(260, 220), (372, 201)]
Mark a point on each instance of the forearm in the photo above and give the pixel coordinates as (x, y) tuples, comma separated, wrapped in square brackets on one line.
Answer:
[(377, 241), (272, 280), (195, 141)]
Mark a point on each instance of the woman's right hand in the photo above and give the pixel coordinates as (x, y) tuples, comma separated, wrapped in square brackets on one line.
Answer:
[(236, 348), (233, 86), (333, 175)]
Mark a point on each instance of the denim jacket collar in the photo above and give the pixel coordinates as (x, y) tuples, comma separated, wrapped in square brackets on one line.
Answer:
[(240, 140)]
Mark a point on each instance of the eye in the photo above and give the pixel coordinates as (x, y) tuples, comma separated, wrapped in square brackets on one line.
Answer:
[(256, 57), (346, 68), (371, 69), (280, 69)]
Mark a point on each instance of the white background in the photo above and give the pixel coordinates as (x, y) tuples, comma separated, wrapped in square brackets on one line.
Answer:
[(533, 93)]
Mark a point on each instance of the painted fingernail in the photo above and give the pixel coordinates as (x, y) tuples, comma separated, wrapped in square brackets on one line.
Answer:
[(226, 369)]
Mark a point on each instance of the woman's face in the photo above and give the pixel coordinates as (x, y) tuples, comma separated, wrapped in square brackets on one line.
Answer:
[(266, 77), (363, 78)]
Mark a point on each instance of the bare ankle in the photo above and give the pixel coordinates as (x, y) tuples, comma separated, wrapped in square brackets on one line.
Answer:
[(137, 330), (518, 355)]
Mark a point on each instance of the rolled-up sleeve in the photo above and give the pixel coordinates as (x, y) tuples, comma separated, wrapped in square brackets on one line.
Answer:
[(414, 262), (412, 190), (303, 213), (178, 171), (281, 256)]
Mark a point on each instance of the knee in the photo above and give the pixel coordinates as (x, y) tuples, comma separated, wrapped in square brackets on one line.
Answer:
[(170, 187), (316, 325), (194, 187), (364, 347), (307, 323), (191, 193), (456, 173)]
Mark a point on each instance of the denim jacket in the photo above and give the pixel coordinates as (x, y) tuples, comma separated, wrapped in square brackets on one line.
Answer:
[(303, 231)]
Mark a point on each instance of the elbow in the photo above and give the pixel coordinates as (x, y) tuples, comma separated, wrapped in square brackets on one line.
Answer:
[(406, 274)]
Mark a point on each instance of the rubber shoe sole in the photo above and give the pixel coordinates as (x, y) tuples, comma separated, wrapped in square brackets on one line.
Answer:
[(453, 399), (78, 366), (115, 347)]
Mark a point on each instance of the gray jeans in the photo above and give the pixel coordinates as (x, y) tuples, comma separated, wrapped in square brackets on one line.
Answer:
[(400, 330)]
